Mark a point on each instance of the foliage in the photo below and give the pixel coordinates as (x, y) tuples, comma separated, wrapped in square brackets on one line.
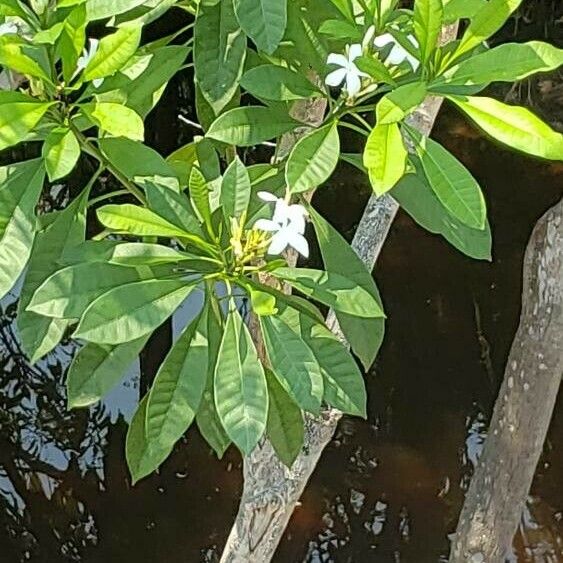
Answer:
[(202, 222)]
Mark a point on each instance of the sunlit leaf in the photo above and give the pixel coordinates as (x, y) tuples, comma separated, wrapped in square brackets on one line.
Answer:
[(61, 152)]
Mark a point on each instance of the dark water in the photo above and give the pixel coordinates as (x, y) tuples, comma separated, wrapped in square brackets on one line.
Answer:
[(387, 489)]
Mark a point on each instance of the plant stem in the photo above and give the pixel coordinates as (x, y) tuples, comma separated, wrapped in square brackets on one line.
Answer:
[(354, 128), (103, 197)]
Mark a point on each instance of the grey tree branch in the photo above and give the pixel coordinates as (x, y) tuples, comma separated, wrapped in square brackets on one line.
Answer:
[(271, 490), (498, 491)]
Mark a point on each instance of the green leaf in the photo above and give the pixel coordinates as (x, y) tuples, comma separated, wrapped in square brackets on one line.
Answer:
[(235, 190), (452, 183), (130, 311), (313, 159), (101, 9), (39, 335), (339, 29), (251, 125), (179, 385), (385, 157), (335, 290), (12, 8), (116, 119), (487, 21), (219, 53), (20, 188), (293, 363), (97, 369), (199, 194), (263, 303), (399, 103), (139, 162), (509, 62), (142, 82), (344, 386), (173, 207), (364, 335), (285, 426), (274, 82), (461, 9), (428, 16), (264, 21), (416, 197), (241, 395), (113, 52), (376, 69), (514, 126), (71, 42), (143, 456), (61, 152), (137, 220), (17, 56), (68, 292), (207, 418), (19, 114)]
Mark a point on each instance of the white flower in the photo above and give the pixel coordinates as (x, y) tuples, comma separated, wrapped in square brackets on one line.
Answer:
[(8, 28), (87, 56), (287, 224), (398, 53), (348, 71)]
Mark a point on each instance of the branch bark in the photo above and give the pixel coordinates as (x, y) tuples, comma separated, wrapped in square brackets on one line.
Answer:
[(271, 490), (498, 491)]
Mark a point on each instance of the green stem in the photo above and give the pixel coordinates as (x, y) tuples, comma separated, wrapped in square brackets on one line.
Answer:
[(354, 128), (360, 119), (103, 197), (93, 151)]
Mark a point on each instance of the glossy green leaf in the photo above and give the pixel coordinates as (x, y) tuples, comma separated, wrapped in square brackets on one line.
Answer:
[(375, 68), (293, 363), (143, 456), (341, 29), (251, 125), (344, 386), (20, 187), (313, 159), (285, 426), (68, 292), (61, 152), (487, 21), (179, 385), (174, 207), (113, 52), (461, 9), (385, 157), (335, 290), (264, 21), (274, 82), (138, 162), (235, 190), (514, 126), (219, 53), (16, 55), (453, 184), (364, 335), (97, 369), (263, 303), (19, 114), (509, 62), (101, 9), (428, 16), (131, 311), (207, 418), (399, 103), (38, 334), (72, 40), (116, 119), (137, 220), (416, 197), (241, 395)]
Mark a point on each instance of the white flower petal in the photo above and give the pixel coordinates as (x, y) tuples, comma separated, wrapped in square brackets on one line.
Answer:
[(383, 40), (413, 61), (279, 242), (281, 212), (397, 55), (267, 196), (98, 82), (355, 52), (353, 83), (94, 44), (336, 77), (8, 28), (299, 242), (413, 40), (266, 225), (337, 59)]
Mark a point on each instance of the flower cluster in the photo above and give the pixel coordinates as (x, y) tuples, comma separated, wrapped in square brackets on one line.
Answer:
[(287, 225), (87, 56), (352, 75)]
